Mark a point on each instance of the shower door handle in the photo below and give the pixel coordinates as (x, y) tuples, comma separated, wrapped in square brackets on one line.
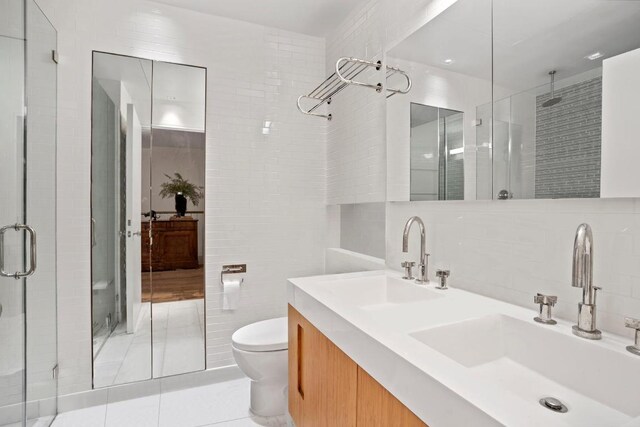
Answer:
[(32, 251)]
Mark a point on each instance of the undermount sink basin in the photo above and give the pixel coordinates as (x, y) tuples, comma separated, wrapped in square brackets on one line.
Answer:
[(380, 292), (598, 385)]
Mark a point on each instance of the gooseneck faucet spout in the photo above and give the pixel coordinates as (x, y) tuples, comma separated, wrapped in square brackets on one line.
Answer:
[(423, 267), (582, 277)]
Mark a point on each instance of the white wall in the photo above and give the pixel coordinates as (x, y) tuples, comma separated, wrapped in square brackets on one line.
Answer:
[(265, 193), (509, 250), (620, 125), (362, 228)]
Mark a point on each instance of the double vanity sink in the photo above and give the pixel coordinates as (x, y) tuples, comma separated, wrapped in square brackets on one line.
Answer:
[(456, 358)]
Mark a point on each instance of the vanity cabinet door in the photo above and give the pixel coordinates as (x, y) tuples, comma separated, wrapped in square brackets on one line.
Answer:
[(377, 407), (323, 380)]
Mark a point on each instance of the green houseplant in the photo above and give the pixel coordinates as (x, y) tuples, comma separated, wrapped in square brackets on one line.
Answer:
[(181, 190)]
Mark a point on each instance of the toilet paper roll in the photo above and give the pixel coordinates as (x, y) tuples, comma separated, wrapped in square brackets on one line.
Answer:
[(231, 294)]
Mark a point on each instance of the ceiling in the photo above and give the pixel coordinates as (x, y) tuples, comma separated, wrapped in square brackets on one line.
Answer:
[(178, 90), (135, 75), (179, 96), (531, 38), (313, 17)]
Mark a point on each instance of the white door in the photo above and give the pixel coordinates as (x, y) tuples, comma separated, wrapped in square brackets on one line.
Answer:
[(134, 214)]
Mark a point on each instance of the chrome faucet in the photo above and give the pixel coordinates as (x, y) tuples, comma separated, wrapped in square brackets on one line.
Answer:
[(423, 266), (583, 278)]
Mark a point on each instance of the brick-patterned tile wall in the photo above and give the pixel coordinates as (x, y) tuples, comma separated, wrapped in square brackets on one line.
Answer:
[(568, 142)]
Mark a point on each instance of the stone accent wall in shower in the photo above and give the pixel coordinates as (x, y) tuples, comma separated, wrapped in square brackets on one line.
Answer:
[(568, 142)]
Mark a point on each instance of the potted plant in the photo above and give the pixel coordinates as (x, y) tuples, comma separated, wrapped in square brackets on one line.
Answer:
[(182, 190)]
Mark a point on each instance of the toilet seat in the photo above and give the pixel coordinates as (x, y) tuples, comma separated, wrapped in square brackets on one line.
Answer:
[(267, 335)]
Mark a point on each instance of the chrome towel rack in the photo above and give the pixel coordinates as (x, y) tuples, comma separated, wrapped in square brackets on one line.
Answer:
[(347, 69), (391, 71)]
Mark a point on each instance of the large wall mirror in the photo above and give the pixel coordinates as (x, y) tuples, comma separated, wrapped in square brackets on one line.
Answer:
[(548, 92), (446, 99), (147, 218)]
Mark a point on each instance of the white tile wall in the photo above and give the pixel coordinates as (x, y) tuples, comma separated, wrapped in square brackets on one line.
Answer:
[(511, 250), (339, 261), (362, 228), (265, 193)]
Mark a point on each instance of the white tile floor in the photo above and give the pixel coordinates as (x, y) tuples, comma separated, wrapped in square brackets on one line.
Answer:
[(223, 404), (39, 422), (177, 340)]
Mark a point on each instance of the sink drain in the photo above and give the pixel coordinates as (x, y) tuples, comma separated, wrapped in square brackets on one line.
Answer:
[(553, 404)]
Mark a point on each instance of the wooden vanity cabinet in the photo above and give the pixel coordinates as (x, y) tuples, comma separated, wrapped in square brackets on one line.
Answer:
[(328, 389), (322, 379), (379, 408)]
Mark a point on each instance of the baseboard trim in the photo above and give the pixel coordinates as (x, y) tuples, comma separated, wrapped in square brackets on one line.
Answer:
[(116, 393)]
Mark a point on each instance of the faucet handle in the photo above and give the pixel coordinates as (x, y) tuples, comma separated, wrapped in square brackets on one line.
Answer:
[(545, 299), (632, 323), (546, 302), (408, 266), (442, 275)]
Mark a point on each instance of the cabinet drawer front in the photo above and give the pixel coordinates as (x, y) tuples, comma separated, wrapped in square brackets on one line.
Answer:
[(322, 378)]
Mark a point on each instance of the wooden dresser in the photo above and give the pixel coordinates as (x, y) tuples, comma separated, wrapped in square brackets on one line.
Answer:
[(175, 245)]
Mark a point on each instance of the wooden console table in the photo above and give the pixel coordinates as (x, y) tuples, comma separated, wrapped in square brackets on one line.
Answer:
[(175, 245)]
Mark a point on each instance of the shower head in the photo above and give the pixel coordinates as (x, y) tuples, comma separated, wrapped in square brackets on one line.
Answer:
[(551, 102), (554, 99)]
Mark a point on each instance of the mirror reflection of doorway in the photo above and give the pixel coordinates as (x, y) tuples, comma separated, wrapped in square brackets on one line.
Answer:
[(437, 153), (148, 159)]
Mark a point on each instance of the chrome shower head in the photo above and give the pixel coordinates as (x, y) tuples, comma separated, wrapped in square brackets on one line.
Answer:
[(554, 99)]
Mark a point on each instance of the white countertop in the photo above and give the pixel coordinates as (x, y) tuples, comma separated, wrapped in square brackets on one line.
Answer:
[(351, 310)]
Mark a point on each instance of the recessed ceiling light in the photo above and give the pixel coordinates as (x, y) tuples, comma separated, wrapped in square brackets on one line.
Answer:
[(428, 156), (456, 151), (448, 61), (594, 56)]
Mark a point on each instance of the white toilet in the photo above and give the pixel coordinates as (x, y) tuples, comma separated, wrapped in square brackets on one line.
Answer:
[(260, 349)]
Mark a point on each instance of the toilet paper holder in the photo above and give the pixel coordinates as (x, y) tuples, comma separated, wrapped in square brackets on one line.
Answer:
[(232, 269)]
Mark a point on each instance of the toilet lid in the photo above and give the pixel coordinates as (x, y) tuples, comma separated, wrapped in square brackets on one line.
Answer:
[(267, 335)]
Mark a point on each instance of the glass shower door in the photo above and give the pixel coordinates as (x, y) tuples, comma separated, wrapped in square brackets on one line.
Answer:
[(12, 310), (40, 214), (28, 346)]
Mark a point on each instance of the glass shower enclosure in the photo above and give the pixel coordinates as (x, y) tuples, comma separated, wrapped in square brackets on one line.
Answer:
[(28, 335)]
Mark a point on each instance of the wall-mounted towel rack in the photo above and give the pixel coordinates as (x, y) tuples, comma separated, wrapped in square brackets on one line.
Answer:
[(391, 71), (347, 69)]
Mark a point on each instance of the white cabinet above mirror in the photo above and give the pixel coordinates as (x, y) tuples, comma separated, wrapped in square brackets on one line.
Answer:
[(548, 92)]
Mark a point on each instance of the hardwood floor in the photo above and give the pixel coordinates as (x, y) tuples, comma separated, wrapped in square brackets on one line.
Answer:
[(174, 285)]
